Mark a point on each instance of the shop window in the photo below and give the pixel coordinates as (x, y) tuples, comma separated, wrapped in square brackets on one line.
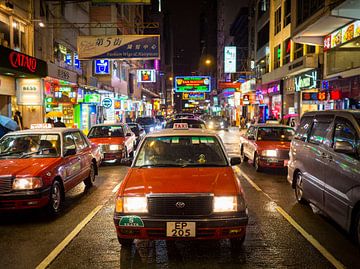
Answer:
[(286, 51), (4, 31), (287, 10), (277, 56), (277, 26), (298, 51), (310, 49)]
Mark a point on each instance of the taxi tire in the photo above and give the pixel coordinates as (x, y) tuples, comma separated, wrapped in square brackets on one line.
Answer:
[(56, 198), (236, 243), (257, 166), (124, 242), (89, 181)]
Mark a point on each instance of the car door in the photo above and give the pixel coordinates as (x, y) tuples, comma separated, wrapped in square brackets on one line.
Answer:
[(342, 173), (72, 167), (251, 143), (84, 152), (314, 159), (130, 138), (247, 142)]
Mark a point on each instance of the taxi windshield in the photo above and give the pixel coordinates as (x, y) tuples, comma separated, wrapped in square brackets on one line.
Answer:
[(182, 151), (106, 131), (275, 134), (30, 146)]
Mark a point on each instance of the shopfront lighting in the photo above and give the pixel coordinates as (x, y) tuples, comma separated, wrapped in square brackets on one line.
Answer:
[(41, 24)]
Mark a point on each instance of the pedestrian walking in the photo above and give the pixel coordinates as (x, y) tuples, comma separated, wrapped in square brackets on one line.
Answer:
[(59, 123), (18, 119)]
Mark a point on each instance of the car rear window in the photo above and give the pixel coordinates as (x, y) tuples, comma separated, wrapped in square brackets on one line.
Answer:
[(145, 121), (181, 151), (275, 134), (106, 131)]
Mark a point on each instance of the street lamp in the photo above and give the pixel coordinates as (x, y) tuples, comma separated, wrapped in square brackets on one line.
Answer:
[(208, 62)]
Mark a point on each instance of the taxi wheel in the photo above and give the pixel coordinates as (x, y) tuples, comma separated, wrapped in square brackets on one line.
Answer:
[(257, 166), (56, 198), (299, 191), (125, 242), (89, 181), (236, 243)]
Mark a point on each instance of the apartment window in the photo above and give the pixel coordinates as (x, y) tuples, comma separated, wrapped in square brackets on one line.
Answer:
[(306, 8), (263, 36), (310, 49), (277, 56), (298, 50), (4, 31), (277, 20), (286, 51), (19, 36), (287, 11), (263, 6)]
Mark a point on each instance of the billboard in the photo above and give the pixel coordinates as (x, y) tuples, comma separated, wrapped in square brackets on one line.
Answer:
[(134, 47), (230, 59), (146, 75), (193, 96), (193, 84)]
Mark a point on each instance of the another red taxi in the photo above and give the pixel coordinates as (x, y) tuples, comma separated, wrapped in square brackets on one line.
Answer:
[(181, 186), (116, 141), (39, 165), (266, 145)]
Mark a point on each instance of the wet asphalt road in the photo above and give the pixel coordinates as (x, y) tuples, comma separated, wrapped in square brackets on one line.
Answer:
[(272, 242)]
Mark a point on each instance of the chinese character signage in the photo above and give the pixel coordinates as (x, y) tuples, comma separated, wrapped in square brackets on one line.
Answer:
[(193, 96), (102, 67), (342, 35), (321, 96), (29, 92), (306, 81), (230, 59), (193, 84), (146, 75), (226, 85), (135, 47)]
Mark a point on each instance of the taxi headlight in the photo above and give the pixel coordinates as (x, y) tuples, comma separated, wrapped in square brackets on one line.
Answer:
[(115, 147), (269, 153), (27, 183), (225, 204), (135, 205), (152, 129)]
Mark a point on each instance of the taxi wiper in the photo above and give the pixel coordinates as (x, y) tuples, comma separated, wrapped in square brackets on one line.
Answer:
[(9, 153), (206, 165), (160, 165)]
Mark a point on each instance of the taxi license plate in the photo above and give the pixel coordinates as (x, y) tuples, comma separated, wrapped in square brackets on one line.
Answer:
[(180, 229)]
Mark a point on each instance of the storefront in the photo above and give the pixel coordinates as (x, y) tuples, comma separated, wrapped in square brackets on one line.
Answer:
[(61, 92), (270, 102), (87, 110), (21, 86)]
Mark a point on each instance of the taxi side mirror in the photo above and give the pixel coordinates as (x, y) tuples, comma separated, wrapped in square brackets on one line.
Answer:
[(70, 152), (235, 160)]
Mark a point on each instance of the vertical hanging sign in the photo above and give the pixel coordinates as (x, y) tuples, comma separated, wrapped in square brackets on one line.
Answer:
[(230, 59)]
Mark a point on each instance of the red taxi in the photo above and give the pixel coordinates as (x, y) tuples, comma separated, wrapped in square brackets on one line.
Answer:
[(181, 186), (266, 145), (39, 165), (116, 141)]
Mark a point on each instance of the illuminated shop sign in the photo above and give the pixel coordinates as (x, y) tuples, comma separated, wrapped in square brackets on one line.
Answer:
[(193, 84), (29, 92), (146, 75), (229, 85), (102, 67), (306, 81), (92, 98), (107, 102), (14, 61), (342, 35), (322, 96), (270, 90), (246, 99), (193, 96), (76, 60), (230, 59)]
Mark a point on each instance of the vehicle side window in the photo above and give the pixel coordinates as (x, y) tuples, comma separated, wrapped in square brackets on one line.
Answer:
[(250, 131), (69, 142), (319, 132), (79, 141), (303, 128), (345, 131)]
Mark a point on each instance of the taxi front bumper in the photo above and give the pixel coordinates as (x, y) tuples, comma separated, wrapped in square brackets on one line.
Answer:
[(24, 199), (206, 228)]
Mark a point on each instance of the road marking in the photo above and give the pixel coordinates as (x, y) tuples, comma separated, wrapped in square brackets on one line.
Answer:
[(116, 188), (53, 254), (316, 244)]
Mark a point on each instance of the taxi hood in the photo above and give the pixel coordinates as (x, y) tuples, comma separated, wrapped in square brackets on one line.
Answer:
[(217, 180), (108, 140), (25, 167), (264, 145)]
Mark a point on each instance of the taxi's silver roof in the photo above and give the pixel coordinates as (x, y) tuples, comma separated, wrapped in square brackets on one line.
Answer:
[(175, 132), (55, 130), (108, 124)]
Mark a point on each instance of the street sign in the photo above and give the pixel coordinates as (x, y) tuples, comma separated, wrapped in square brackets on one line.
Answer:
[(193, 84)]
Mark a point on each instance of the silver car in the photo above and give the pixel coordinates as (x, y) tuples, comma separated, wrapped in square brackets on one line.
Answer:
[(324, 165)]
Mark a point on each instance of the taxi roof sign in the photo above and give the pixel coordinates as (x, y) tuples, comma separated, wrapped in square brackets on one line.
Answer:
[(41, 126), (181, 126)]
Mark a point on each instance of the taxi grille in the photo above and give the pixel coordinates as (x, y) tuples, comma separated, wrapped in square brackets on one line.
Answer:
[(184, 205), (5, 184)]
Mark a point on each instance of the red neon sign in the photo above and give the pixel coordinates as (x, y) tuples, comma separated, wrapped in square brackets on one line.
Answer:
[(21, 60)]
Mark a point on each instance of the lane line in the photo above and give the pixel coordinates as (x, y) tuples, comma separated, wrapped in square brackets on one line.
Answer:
[(59, 248), (316, 244), (116, 188)]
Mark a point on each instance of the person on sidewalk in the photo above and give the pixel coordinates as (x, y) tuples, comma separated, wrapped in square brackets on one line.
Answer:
[(59, 123)]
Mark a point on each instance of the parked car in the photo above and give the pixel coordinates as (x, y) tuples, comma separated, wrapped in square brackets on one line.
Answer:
[(266, 145), (138, 131), (217, 123), (324, 166), (184, 115), (116, 141), (38, 166), (181, 186), (148, 123), (192, 123)]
